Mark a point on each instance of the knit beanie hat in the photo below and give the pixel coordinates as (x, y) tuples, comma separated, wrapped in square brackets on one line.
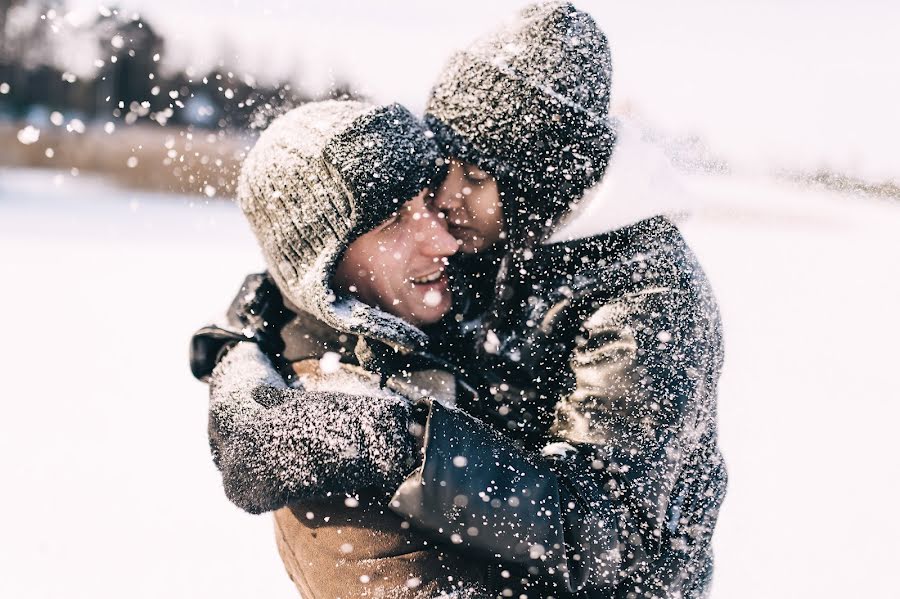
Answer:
[(318, 177), (529, 103)]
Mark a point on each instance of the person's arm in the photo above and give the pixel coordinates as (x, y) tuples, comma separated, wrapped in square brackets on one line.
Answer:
[(478, 489), (593, 513), (645, 376), (274, 444)]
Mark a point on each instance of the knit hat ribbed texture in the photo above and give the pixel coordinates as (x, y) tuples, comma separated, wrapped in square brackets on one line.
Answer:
[(529, 103), (318, 177)]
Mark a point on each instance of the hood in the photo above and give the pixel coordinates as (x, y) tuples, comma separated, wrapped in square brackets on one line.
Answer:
[(639, 182)]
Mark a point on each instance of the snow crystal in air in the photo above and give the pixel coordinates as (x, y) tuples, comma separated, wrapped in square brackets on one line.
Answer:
[(75, 126), (413, 582), (433, 298), (491, 343), (330, 362), (28, 135), (558, 449)]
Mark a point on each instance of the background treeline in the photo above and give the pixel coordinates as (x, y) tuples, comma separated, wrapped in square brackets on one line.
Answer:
[(125, 82)]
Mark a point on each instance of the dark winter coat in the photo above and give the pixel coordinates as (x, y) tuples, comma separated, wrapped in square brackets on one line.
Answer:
[(608, 349)]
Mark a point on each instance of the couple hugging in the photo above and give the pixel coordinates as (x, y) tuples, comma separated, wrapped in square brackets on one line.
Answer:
[(457, 378)]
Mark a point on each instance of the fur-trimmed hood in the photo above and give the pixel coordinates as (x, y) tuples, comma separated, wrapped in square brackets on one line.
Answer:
[(639, 182)]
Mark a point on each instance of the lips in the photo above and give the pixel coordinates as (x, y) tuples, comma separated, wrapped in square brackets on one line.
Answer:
[(461, 231)]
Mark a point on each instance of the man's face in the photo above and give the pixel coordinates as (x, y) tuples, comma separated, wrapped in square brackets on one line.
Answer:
[(470, 199), (400, 265)]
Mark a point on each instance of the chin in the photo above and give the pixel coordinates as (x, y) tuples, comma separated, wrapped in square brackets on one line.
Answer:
[(431, 317), (431, 314)]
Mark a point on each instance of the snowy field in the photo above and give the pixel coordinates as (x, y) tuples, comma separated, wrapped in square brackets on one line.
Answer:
[(109, 490)]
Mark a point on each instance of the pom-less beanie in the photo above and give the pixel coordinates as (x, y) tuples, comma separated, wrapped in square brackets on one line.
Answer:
[(529, 102), (317, 178)]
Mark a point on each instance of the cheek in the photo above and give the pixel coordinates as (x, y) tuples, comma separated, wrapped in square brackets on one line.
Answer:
[(487, 216)]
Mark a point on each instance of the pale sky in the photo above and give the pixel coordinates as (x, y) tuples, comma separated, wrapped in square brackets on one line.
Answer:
[(769, 84)]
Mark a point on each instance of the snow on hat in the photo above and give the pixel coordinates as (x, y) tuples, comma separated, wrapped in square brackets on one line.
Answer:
[(529, 102), (318, 177)]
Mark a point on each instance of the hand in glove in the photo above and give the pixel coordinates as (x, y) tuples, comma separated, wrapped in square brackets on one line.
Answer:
[(275, 444), (256, 314)]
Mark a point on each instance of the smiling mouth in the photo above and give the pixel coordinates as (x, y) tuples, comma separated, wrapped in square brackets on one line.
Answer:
[(429, 278)]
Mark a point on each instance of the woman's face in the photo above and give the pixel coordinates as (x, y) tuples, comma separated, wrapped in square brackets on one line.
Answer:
[(471, 202), (400, 265)]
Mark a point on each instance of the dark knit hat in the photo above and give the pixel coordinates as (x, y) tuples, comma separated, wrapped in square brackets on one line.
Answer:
[(529, 103), (317, 178)]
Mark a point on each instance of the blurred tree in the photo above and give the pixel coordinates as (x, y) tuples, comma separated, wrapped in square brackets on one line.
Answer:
[(129, 73), (25, 38)]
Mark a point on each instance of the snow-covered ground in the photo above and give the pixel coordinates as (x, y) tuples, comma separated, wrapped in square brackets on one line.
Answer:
[(109, 490)]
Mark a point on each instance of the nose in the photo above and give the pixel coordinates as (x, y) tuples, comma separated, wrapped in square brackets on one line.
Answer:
[(435, 240), (448, 197)]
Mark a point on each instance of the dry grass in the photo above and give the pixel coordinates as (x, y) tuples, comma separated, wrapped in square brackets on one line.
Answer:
[(847, 184), (147, 157)]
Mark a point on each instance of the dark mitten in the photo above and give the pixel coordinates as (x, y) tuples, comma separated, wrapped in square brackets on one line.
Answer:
[(275, 444), (256, 314)]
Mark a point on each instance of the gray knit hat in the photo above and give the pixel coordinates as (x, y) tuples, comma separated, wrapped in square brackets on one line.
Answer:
[(529, 103), (317, 178)]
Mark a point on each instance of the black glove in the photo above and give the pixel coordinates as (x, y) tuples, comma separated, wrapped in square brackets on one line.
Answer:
[(256, 314)]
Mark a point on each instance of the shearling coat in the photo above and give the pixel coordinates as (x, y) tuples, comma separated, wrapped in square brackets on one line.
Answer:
[(321, 453)]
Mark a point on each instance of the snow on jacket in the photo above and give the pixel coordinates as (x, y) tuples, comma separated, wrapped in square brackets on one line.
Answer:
[(274, 443), (279, 445), (326, 449), (605, 349), (612, 344)]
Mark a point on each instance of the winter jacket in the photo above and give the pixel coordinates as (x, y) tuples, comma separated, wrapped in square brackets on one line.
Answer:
[(324, 450), (612, 346), (312, 442), (604, 348), (340, 547)]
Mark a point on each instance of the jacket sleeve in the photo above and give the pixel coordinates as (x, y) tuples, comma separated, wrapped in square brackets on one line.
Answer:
[(642, 408), (478, 489), (274, 444)]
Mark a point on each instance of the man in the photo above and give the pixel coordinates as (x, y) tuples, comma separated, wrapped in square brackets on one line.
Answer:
[(332, 235)]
